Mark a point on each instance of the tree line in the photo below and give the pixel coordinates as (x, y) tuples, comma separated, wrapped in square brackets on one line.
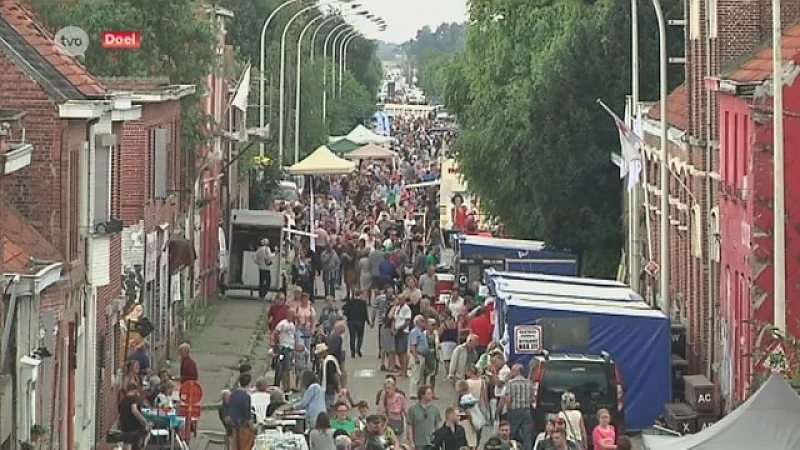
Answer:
[(179, 45), (534, 145)]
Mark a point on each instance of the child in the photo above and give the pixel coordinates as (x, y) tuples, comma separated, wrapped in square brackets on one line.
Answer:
[(301, 360), (363, 412), (319, 337)]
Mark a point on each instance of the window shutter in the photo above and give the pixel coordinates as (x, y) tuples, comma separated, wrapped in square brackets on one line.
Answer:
[(161, 163)]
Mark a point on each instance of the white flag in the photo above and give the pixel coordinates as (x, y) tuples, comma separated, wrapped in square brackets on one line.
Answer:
[(240, 97), (629, 145)]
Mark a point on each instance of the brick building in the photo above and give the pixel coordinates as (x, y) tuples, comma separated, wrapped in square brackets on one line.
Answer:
[(746, 199), (147, 172), (70, 124), (718, 33)]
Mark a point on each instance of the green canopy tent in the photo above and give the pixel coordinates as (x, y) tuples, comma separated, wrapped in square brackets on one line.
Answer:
[(343, 146)]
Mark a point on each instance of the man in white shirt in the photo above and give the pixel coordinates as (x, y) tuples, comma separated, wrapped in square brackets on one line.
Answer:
[(499, 373), (427, 282), (285, 338), (263, 259), (401, 320)]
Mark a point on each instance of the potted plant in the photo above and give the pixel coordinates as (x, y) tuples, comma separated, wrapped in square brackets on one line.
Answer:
[(37, 432)]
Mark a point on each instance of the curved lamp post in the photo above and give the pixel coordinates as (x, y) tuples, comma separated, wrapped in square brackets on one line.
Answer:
[(339, 34), (262, 68), (322, 24), (282, 90), (335, 30), (297, 88), (343, 57)]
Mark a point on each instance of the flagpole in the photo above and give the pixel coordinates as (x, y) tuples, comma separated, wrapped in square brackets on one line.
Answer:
[(664, 246), (635, 263), (779, 211)]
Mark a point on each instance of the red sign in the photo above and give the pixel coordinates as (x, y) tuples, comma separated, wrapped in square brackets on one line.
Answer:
[(121, 40)]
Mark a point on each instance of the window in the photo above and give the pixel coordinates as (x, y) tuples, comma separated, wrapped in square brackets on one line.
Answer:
[(734, 149), (160, 162), (696, 232), (585, 380), (74, 204), (565, 333), (713, 226), (103, 154), (726, 148)]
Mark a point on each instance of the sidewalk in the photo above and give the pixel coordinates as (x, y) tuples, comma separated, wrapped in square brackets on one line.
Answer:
[(234, 336)]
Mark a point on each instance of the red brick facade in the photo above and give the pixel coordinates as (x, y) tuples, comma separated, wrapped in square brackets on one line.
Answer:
[(712, 47)]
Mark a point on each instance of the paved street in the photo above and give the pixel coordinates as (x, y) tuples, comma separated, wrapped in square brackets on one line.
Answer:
[(234, 335)]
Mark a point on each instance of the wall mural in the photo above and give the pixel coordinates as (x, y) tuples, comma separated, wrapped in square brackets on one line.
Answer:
[(726, 361)]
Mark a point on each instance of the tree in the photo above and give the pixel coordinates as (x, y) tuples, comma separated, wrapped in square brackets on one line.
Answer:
[(534, 145), (354, 106)]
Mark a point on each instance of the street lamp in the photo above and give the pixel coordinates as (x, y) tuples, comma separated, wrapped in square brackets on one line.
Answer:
[(343, 57), (335, 45), (282, 90), (322, 24), (262, 68), (297, 88), (335, 30)]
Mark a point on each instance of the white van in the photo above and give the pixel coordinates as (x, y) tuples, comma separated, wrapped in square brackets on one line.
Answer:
[(287, 193)]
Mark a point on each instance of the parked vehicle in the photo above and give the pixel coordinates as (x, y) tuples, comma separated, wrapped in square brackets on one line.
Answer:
[(595, 380)]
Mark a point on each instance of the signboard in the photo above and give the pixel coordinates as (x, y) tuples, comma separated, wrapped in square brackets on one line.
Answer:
[(444, 298), (121, 40), (528, 339), (72, 40), (652, 268)]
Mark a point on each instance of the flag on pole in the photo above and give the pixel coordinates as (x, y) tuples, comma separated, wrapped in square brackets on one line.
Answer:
[(240, 96), (240, 100), (629, 160)]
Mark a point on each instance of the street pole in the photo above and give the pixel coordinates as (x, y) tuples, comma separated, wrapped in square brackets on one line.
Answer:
[(347, 42), (665, 231), (282, 90), (316, 32), (341, 33), (779, 220), (262, 68), (297, 88), (634, 252), (325, 68), (343, 58)]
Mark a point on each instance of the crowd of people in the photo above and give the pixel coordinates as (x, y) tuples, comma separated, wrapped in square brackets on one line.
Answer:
[(376, 248)]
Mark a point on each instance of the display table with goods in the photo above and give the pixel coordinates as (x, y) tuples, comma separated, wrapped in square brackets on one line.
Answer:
[(277, 440)]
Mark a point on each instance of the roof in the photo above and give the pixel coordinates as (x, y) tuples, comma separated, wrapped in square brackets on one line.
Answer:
[(21, 243), (759, 67), (677, 108), (135, 84), (28, 43)]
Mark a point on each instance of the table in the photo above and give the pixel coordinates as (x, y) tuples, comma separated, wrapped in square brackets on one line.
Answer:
[(275, 440), (169, 419)]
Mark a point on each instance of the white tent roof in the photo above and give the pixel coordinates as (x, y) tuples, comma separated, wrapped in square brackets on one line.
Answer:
[(768, 419), (371, 151), (362, 135), (322, 162)]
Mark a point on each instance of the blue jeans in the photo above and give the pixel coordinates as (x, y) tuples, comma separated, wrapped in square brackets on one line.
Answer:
[(520, 420), (329, 279)]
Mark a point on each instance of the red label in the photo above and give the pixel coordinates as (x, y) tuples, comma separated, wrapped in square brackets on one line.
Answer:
[(121, 40)]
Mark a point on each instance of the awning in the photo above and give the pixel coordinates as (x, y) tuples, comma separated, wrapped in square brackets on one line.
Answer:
[(343, 146)]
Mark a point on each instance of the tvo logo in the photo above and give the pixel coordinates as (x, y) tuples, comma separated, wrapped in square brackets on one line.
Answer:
[(72, 40)]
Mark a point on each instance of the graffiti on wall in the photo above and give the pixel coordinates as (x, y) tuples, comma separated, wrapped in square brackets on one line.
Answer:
[(726, 372)]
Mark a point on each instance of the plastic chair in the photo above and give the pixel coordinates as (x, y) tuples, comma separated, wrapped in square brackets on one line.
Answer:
[(260, 402)]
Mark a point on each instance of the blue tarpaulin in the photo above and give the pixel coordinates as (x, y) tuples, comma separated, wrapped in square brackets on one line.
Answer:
[(636, 336), (519, 255)]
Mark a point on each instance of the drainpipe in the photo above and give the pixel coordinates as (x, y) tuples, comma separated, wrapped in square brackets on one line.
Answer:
[(9, 333), (709, 206)]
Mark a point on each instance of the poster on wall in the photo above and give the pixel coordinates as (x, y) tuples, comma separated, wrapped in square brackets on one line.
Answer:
[(151, 253), (527, 339)]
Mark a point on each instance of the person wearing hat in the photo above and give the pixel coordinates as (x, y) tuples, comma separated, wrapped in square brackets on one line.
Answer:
[(330, 373), (263, 257)]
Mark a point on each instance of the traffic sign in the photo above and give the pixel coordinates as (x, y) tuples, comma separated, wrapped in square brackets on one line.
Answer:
[(774, 359)]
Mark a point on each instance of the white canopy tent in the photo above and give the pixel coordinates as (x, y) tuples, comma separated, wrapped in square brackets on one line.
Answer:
[(363, 135), (321, 162), (768, 419), (371, 151)]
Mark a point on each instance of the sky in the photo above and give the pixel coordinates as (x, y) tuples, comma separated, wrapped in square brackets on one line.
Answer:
[(405, 17)]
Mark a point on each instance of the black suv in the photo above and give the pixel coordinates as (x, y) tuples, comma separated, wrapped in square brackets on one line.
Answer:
[(594, 379)]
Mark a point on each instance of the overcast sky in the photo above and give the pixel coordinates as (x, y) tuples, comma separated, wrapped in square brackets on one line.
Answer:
[(405, 17)]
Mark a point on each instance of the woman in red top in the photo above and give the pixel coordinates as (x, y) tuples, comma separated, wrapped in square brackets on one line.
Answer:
[(459, 213), (481, 325)]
